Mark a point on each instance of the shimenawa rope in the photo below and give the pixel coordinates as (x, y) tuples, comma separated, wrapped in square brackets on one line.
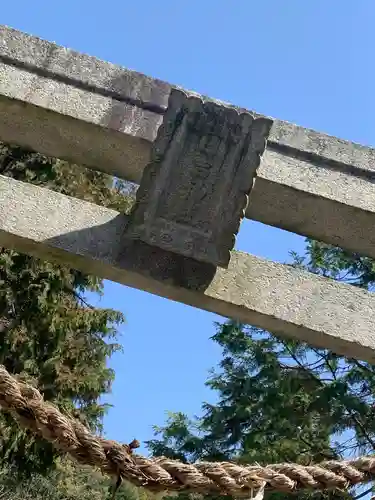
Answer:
[(161, 474)]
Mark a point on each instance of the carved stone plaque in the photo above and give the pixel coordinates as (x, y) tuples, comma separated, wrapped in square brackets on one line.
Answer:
[(194, 191)]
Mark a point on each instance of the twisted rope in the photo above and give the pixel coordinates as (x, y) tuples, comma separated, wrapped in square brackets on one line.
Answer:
[(161, 474)]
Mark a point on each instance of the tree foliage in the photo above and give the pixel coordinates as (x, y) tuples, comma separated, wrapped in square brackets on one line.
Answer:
[(50, 335), (282, 400), (66, 481), (277, 399)]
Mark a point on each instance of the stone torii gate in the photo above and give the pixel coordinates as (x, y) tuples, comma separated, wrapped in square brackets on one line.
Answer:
[(204, 157), (202, 165)]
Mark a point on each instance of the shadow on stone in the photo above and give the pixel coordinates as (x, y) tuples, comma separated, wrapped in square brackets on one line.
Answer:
[(105, 244)]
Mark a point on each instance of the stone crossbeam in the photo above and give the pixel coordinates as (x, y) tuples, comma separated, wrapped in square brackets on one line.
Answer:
[(91, 112), (276, 297)]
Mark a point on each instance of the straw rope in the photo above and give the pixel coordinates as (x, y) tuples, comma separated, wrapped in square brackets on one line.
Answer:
[(161, 474)]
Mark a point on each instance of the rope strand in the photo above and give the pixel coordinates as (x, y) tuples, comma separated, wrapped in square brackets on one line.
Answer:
[(162, 474)]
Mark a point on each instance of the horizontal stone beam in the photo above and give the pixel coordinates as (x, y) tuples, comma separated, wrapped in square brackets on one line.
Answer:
[(94, 113), (272, 296), (75, 107)]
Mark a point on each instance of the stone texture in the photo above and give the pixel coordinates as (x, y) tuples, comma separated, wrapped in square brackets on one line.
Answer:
[(194, 192), (86, 72), (272, 296), (80, 126), (87, 111), (334, 204), (302, 142)]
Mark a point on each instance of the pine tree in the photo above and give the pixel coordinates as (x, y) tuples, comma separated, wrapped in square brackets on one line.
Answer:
[(50, 335), (66, 481), (280, 400)]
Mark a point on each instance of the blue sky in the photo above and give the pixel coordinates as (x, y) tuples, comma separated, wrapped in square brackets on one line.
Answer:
[(309, 62)]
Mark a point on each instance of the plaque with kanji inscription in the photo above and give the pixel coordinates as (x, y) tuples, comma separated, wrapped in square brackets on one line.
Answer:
[(194, 191)]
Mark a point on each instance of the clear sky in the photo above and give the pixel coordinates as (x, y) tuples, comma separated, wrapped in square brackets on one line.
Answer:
[(306, 61)]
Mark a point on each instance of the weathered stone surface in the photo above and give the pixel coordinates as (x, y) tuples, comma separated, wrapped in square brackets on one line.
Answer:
[(87, 111), (194, 192), (300, 142), (47, 59), (77, 125), (272, 296), (334, 203)]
